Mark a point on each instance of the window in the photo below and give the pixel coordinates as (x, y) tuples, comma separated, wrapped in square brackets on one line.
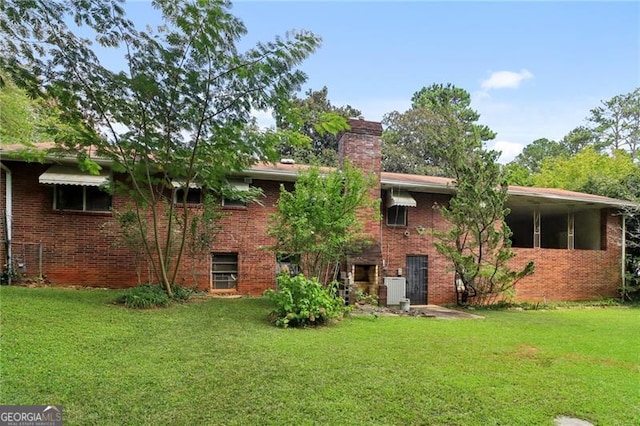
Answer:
[(522, 225), (397, 216), (237, 187), (589, 230), (554, 230), (224, 271), (228, 202), (580, 230), (194, 196), (81, 198)]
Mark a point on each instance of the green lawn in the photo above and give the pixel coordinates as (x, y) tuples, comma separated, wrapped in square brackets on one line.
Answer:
[(220, 362)]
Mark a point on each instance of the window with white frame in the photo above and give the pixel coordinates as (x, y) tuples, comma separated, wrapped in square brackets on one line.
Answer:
[(224, 271), (238, 187), (397, 216), (557, 229)]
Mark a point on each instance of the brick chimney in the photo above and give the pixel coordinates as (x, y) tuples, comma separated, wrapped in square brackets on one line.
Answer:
[(362, 145)]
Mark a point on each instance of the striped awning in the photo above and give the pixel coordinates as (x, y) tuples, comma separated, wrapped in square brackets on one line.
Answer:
[(179, 183), (400, 197), (66, 175), (238, 185)]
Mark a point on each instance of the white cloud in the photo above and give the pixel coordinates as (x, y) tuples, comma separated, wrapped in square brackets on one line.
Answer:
[(509, 150), (506, 80), (264, 118)]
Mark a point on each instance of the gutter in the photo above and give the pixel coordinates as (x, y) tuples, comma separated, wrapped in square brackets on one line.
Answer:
[(8, 216)]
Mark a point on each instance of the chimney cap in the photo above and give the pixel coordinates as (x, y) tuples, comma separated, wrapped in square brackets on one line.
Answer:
[(362, 126)]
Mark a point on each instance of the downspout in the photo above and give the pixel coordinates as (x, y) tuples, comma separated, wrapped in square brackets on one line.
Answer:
[(8, 216), (623, 263)]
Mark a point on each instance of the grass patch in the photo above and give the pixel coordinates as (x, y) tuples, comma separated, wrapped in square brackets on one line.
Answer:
[(532, 306), (221, 362)]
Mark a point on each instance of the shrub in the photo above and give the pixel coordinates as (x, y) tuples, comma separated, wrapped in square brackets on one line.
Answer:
[(7, 275), (147, 296), (366, 299), (181, 294), (301, 302)]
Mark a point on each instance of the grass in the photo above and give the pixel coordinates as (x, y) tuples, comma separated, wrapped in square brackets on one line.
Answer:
[(220, 362)]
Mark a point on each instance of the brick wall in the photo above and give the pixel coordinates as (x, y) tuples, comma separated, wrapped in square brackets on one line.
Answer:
[(244, 231), (396, 246), (78, 251), (3, 251), (78, 248), (75, 249), (572, 275), (561, 275)]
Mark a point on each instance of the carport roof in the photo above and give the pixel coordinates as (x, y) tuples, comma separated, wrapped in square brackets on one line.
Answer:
[(519, 195)]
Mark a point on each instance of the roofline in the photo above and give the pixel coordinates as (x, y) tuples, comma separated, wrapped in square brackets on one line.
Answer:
[(448, 187), (12, 155), (515, 191), (574, 196), (289, 173)]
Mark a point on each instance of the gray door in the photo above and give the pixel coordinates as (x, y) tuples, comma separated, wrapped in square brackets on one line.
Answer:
[(417, 279)]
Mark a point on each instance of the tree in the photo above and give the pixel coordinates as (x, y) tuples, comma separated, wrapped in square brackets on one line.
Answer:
[(319, 221), (578, 139), (180, 111), (27, 117), (477, 243), (406, 147), (591, 172), (449, 99), (409, 142), (529, 162), (617, 122), (517, 174), (309, 115), (536, 152)]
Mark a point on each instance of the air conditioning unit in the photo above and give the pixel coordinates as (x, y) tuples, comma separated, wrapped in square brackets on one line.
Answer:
[(396, 289)]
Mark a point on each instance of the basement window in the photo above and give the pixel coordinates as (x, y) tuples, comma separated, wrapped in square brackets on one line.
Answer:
[(224, 271), (81, 198)]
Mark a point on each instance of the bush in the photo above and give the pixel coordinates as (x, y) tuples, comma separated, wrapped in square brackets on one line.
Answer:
[(181, 294), (7, 275), (301, 302), (147, 296)]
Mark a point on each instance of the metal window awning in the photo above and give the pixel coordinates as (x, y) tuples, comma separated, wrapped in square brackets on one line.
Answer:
[(66, 175), (239, 186), (179, 183), (400, 197)]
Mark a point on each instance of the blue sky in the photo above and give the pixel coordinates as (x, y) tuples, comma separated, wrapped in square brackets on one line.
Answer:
[(534, 69)]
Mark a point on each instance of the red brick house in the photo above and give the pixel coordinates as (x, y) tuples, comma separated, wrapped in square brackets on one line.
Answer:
[(53, 217)]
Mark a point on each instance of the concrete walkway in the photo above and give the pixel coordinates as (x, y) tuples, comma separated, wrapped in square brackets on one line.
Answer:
[(428, 311), (444, 313)]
